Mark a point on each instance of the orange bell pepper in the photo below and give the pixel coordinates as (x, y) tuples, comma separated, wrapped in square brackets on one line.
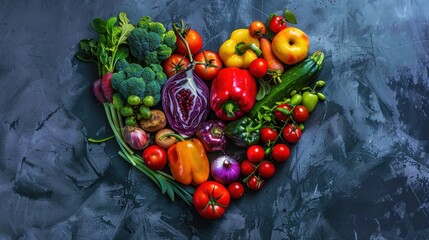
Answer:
[(188, 161)]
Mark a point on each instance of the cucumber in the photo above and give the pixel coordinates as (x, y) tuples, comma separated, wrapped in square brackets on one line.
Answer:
[(295, 78)]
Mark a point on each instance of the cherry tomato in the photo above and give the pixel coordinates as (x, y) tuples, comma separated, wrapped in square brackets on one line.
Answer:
[(300, 113), (174, 64), (291, 133), (195, 42), (257, 29), (258, 67), (268, 134), (255, 182), (211, 199), (281, 116), (266, 169), (236, 190), (211, 65), (280, 152), (247, 167), (155, 157), (255, 153), (277, 23)]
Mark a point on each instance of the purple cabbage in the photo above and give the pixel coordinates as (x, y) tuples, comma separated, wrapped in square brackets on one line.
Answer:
[(185, 101)]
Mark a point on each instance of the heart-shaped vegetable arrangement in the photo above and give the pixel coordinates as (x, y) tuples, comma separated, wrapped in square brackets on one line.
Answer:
[(163, 125)]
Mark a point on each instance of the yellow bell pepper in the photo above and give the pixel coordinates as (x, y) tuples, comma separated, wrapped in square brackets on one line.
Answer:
[(188, 161), (240, 49)]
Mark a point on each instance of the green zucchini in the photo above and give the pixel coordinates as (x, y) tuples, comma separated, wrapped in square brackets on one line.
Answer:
[(295, 78)]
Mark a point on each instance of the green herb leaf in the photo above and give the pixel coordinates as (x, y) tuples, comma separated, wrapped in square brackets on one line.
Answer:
[(122, 53), (261, 93), (99, 25), (267, 118), (290, 17), (110, 24), (123, 19)]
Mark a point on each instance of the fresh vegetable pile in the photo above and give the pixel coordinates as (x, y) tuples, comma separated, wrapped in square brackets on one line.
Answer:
[(176, 109)]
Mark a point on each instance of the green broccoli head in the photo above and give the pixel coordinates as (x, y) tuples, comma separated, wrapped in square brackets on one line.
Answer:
[(151, 58), (142, 43), (164, 52), (150, 42), (121, 65), (153, 89), (170, 39), (148, 74), (133, 70), (160, 76), (133, 86), (117, 79), (157, 27), (144, 22), (118, 100)]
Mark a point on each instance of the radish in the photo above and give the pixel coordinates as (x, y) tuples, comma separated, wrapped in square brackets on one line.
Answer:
[(106, 86), (96, 89)]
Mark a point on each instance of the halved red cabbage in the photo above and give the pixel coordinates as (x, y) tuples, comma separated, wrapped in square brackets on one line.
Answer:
[(185, 101)]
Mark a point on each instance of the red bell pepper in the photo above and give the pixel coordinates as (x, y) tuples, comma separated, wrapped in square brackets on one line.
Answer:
[(233, 93)]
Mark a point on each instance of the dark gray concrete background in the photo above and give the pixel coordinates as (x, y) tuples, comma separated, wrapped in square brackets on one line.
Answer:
[(359, 172)]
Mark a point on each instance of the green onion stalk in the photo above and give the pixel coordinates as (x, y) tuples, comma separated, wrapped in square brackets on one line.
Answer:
[(164, 181)]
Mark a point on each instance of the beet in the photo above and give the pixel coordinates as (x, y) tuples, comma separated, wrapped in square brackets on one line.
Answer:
[(106, 86), (96, 89)]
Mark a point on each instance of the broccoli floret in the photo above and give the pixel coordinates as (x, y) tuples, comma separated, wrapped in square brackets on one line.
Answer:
[(133, 70), (154, 89), (118, 100), (133, 86), (134, 79), (144, 22), (143, 42), (121, 65), (117, 79), (148, 74), (164, 52), (151, 58), (157, 27), (170, 39), (150, 42)]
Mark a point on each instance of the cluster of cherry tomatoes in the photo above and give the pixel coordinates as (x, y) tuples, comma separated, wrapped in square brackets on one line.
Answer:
[(207, 63), (262, 160)]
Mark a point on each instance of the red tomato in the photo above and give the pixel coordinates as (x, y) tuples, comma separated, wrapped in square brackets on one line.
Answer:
[(280, 115), (236, 190), (291, 133), (255, 182), (257, 29), (174, 64), (258, 67), (211, 199), (266, 169), (280, 152), (268, 134), (255, 153), (300, 113), (247, 167), (277, 23), (194, 40), (211, 65), (155, 157)]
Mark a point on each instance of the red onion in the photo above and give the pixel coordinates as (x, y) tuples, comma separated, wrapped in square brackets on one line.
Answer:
[(225, 169), (136, 137)]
